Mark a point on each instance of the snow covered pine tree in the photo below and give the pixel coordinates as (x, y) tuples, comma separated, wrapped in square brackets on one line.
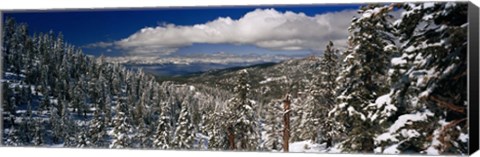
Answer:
[(163, 133), (432, 86), (184, 134), (273, 126), (325, 95), (367, 60), (241, 122)]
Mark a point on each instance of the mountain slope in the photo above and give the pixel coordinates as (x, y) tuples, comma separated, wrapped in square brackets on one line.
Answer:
[(268, 81)]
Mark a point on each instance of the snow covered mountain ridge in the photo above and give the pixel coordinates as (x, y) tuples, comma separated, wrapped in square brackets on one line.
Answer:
[(189, 59)]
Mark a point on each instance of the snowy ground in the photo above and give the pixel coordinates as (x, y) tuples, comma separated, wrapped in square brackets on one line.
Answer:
[(306, 146), (309, 147)]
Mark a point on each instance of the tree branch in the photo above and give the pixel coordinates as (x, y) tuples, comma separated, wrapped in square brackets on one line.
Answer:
[(447, 105)]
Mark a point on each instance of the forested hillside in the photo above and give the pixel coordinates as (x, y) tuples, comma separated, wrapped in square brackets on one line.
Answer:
[(55, 95), (399, 87)]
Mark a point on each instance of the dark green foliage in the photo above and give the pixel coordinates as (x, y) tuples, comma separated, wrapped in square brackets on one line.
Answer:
[(363, 76), (240, 116), (433, 79)]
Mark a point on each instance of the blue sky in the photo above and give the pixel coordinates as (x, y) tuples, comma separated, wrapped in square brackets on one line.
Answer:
[(272, 30)]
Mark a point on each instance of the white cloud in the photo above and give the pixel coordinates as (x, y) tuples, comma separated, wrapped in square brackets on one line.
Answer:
[(266, 28), (99, 44)]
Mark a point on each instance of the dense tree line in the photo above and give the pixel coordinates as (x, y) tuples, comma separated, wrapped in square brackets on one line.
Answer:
[(55, 94)]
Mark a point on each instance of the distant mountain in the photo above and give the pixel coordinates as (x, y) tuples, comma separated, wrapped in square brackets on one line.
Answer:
[(268, 80), (215, 58), (179, 70)]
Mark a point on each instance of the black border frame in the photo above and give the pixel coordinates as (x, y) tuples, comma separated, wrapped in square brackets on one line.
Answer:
[(473, 70)]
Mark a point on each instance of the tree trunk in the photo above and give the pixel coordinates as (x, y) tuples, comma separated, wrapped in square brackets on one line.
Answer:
[(286, 123), (329, 142), (231, 138)]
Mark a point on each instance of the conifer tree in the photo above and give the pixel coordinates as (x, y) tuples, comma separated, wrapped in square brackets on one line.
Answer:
[(216, 131), (39, 137), (97, 130), (298, 121), (8, 43), (273, 126), (69, 129), (321, 99), (108, 110), (142, 136), (325, 95), (122, 127), (25, 131), (143, 131), (8, 106), (55, 126), (12, 136), (431, 86), (242, 123), (184, 133), (83, 140), (203, 130), (164, 128), (367, 63)]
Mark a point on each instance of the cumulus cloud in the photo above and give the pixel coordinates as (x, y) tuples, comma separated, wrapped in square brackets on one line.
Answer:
[(99, 45), (265, 28)]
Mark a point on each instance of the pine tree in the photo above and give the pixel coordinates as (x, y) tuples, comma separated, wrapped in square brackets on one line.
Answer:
[(97, 130), (122, 127), (8, 105), (108, 110), (38, 133), (12, 136), (8, 43), (326, 95), (273, 126), (309, 120), (143, 131), (184, 133), (142, 136), (366, 68), (69, 129), (55, 126), (25, 132), (431, 84), (163, 132), (80, 96), (242, 123), (215, 130), (203, 130), (83, 140), (320, 100), (297, 118)]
